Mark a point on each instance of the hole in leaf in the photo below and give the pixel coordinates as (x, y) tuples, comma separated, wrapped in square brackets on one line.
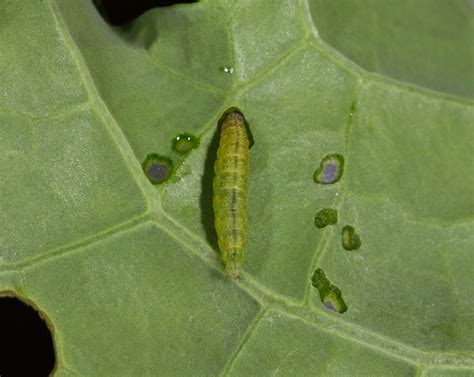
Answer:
[(119, 12), (327, 216), (330, 169), (157, 168), (350, 239), (330, 295), (26, 343)]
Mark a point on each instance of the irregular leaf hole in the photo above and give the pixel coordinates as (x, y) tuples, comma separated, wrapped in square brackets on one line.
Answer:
[(330, 169), (157, 168), (26, 342), (350, 239), (185, 143), (327, 216), (330, 295), (122, 12)]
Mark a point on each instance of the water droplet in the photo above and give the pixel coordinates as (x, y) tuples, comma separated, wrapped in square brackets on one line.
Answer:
[(157, 168), (330, 170), (327, 216), (330, 295), (184, 143), (229, 70), (350, 239)]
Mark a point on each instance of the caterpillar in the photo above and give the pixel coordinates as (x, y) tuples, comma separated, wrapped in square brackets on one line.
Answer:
[(230, 191)]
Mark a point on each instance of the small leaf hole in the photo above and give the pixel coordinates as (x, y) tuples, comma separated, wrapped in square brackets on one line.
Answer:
[(330, 169), (157, 168)]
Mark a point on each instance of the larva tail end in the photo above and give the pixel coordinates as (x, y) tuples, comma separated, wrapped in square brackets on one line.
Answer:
[(233, 272)]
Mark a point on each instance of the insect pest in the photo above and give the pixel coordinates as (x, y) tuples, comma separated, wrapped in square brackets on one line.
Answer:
[(230, 190)]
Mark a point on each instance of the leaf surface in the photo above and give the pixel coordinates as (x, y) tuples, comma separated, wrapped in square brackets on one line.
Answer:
[(129, 274)]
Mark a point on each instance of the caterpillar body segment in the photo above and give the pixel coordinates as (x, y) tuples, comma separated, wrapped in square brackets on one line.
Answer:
[(230, 191)]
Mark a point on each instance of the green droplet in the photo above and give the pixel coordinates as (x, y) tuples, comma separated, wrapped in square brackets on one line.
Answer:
[(350, 239), (184, 143), (330, 169), (330, 295), (226, 69), (327, 216), (157, 168)]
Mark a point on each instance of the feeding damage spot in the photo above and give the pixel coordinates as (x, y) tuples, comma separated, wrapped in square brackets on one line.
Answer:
[(350, 239), (330, 169), (157, 168), (330, 295), (185, 143), (327, 216)]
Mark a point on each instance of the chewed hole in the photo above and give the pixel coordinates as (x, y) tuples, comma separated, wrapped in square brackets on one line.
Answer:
[(325, 217), (330, 169), (350, 239), (157, 168), (330, 295), (26, 342), (185, 143), (122, 12)]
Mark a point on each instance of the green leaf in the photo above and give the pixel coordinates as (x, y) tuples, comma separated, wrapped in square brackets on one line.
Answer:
[(422, 42), (129, 274)]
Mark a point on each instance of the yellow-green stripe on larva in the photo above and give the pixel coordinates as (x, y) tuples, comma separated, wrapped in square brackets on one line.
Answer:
[(230, 191)]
